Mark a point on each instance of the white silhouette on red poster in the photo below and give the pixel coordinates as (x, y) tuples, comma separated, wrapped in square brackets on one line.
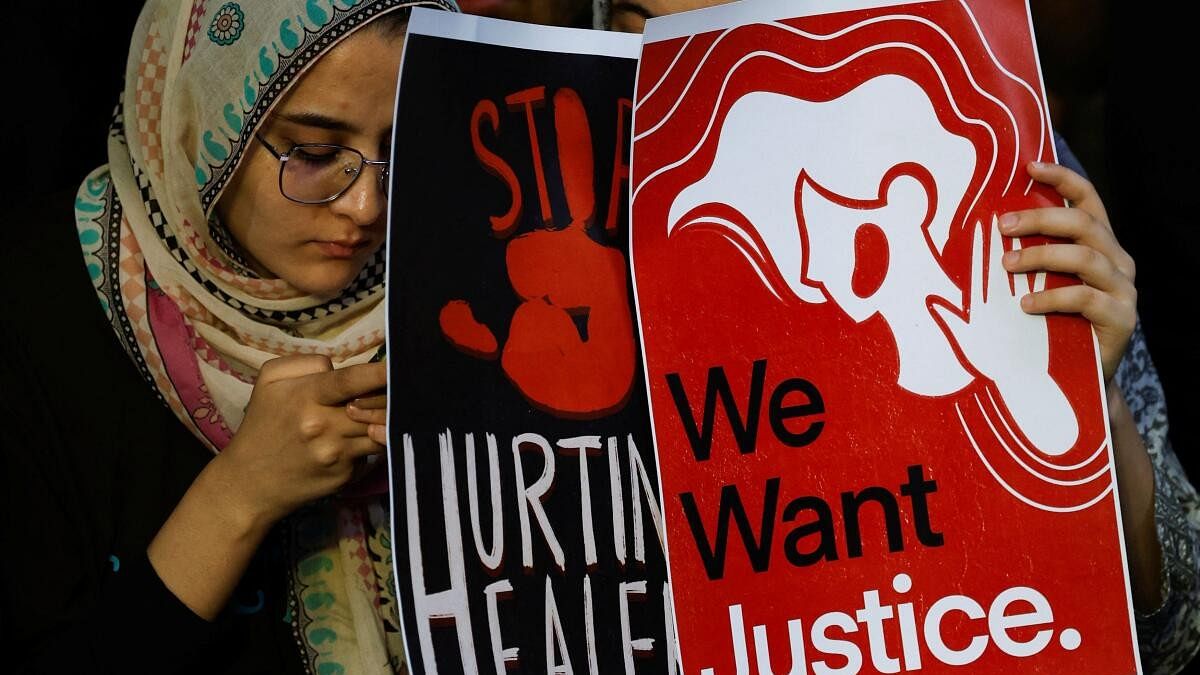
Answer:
[(869, 178)]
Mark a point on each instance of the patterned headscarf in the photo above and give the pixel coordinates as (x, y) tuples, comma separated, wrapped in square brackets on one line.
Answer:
[(201, 77)]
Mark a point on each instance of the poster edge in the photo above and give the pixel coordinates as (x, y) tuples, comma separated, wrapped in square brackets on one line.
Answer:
[(722, 17), (388, 349), (518, 35), (1099, 365), (637, 309)]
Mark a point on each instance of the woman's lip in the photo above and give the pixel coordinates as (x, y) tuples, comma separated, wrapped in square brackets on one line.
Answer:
[(340, 250)]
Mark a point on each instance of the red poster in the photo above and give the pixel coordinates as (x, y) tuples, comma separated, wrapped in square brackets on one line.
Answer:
[(872, 461)]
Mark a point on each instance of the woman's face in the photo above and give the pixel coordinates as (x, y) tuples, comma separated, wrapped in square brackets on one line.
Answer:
[(630, 16), (346, 98)]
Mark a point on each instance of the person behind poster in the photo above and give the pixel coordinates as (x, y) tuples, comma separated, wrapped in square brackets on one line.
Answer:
[(1155, 495)]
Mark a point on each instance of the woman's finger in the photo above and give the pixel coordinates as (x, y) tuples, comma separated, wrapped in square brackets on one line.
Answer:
[(1065, 223), (1091, 266), (1071, 186), (378, 433), (350, 382), (1112, 318), (367, 445), (1072, 224), (291, 367), (1100, 308), (366, 415), (370, 402)]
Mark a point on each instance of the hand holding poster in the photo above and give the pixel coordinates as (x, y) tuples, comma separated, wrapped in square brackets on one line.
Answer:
[(527, 522), (872, 460)]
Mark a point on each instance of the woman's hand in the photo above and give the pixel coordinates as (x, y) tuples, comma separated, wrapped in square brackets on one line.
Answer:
[(371, 411), (1107, 298), (296, 442)]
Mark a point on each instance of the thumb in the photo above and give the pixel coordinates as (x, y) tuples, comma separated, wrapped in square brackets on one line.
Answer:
[(289, 367)]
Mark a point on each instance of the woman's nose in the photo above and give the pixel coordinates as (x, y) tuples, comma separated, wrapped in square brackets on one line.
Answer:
[(365, 202)]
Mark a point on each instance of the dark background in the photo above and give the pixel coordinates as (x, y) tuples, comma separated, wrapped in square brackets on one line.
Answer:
[(63, 71)]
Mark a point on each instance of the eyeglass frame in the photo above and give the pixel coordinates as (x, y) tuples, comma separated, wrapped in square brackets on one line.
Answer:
[(283, 158)]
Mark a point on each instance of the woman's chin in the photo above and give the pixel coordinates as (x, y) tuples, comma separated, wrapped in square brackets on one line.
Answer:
[(327, 284)]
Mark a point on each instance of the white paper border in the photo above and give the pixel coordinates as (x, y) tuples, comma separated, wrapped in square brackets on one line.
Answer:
[(735, 14), (501, 33)]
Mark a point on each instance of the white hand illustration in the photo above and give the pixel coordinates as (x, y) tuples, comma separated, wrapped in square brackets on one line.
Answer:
[(995, 317)]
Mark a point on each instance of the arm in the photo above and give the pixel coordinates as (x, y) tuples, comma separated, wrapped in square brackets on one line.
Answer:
[(1169, 630), (1135, 481), (295, 444), (206, 544)]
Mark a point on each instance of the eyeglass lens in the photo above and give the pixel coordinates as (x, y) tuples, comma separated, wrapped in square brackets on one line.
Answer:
[(316, 173)]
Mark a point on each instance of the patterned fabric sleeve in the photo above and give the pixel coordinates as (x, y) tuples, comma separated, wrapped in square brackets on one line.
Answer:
[(1170, 635)]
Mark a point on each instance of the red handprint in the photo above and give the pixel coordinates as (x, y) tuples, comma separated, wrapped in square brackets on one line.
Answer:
[(565, 280)]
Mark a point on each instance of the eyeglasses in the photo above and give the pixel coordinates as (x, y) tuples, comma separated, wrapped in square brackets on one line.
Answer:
[(318, 173)]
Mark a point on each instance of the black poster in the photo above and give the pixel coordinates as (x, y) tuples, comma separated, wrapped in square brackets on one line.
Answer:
[(526, 516)]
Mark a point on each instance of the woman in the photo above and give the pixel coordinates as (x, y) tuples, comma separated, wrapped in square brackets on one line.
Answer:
[(235, 243), (1159, 507)]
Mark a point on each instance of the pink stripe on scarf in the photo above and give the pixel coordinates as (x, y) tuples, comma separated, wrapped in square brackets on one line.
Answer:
[(174, 338)]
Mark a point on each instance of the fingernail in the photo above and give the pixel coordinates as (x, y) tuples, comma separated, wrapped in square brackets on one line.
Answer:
[(1038, 165), (1007, 222), (1026, 302), (1011, 258)]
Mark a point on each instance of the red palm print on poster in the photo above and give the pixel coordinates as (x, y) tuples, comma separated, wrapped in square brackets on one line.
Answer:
[(570, 349)]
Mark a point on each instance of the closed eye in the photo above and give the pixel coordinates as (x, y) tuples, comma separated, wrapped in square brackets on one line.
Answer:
[(313, 155)]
